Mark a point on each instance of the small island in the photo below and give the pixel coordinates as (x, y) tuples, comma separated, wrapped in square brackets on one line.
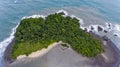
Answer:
[(59, 37), (37, 33)]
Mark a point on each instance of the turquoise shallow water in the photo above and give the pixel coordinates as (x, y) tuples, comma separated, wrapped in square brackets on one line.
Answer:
[(11, 12)]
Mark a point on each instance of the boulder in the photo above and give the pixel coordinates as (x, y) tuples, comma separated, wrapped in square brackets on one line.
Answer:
[(100, 28), (92, 28), (85, 29), (105, 38), (109, 25), (62, 13), (115, 35), (90, 31), (105, 31)]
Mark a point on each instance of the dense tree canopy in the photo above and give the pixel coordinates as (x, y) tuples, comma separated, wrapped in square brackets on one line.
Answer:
[(36, 33)]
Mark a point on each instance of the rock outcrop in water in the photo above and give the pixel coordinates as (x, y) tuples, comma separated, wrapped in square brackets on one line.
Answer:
[(100, 28)]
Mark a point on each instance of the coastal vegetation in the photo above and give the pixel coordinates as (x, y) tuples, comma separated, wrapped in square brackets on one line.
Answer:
[(36, 33)]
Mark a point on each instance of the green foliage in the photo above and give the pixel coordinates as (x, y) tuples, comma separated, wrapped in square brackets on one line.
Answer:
[(36, 33)]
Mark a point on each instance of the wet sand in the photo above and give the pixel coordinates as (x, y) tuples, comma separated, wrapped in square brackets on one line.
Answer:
[(66, 57)]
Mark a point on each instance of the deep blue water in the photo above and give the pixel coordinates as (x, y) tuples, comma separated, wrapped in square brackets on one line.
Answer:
[(11, 11)]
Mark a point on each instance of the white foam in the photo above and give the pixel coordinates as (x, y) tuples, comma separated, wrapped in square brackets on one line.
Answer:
[(117, 33), (6, 42), (88, 29), (117, 27), (43, 16), (114, 28), (83, 28), (80, 20), (66, 13), (108, 25), (34, 16), (95, 28)]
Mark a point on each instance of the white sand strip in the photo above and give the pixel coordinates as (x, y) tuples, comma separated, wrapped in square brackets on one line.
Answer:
[(38, 53)]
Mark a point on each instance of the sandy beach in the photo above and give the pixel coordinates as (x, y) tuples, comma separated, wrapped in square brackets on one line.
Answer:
[(57, 55), (37, 53)]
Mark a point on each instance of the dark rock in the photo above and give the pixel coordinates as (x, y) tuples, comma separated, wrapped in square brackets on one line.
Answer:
[(115, 35), (105, 38), (90, 31), (85, 29), (100, 28), (62, 13), (109, 25), (92, 28), (105, 31)]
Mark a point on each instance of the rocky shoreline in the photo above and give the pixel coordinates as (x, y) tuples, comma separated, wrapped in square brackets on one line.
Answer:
[(110, 50), (7, 53), (110, 57)]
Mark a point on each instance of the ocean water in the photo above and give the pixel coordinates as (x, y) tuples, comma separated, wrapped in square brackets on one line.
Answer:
[(91, 12)]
